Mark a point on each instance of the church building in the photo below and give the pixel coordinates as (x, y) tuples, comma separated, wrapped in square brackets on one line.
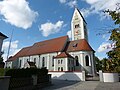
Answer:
[(60, 54)]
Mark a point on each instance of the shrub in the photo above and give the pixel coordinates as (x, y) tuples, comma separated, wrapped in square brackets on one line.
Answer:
[(28, 72), (2, 70)]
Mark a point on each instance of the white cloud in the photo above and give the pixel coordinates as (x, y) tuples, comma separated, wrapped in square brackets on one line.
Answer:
[(13, 49), (69, 34), (97, 6), (51, 28), (70, 3), (62, 1), (105, 46), (91, 1), (17, 13)]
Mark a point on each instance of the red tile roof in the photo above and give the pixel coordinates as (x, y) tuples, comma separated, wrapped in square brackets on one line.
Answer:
[(21, 53), (61, 44), (48, 46), (78, 45), (63, 55)]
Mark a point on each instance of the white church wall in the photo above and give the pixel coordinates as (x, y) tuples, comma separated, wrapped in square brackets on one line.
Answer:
[(51, 55), (90, 55), (35, 58), (81, 58), (70, 64), (48, 60), (76, 76), (9, 64), (15, 63), (61, 64), (78, 54)]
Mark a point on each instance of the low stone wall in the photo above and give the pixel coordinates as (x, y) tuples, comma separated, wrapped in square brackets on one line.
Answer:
[(75, 76), (108, 77)]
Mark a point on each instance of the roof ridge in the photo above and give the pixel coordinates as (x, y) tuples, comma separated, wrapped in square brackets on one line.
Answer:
[(50, 39)]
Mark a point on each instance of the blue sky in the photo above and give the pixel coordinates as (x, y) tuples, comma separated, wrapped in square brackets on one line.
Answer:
[(38, 20)]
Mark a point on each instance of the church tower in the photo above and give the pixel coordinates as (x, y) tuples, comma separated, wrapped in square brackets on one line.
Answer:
[(78, 26)]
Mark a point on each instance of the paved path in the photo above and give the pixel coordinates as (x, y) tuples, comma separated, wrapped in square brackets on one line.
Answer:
[(87, 85)]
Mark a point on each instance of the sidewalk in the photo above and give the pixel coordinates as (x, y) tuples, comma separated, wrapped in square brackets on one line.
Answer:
[(87, 85)]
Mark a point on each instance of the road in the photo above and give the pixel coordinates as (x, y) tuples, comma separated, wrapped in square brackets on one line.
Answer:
[(87, 85)]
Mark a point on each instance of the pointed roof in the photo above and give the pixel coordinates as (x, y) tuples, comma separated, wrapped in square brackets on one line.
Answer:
[(63, 55), (80, 14), (78, 45), (4, 36)]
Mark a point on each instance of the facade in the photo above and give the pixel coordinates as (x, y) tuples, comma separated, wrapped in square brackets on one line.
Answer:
[(60, 54), (2, 37)]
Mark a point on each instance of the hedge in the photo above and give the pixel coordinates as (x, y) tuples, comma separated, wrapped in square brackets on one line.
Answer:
[(2, 70), (16, 73)]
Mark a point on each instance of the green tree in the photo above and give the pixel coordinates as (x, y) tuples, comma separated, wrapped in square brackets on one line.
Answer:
[(114, 55), (98, 63)]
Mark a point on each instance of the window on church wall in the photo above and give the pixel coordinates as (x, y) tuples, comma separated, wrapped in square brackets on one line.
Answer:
[(69, 69), (20, 63), (58, 68), (58, 61), (53, 61), (27, 60), (61, 68), (87, 60), (61, 61), (43, 62), (77, 26), (77, 62), (34, 60)]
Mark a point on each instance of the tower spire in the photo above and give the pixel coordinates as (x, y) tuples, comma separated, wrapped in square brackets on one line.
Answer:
[(78, 26)]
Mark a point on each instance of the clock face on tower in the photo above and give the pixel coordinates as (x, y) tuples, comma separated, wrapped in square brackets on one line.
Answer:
[(77, 32)]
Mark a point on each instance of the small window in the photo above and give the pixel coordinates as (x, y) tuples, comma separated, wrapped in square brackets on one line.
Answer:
[(61, 61), (87, 60), (34, 60), (20, 63), (76, 59), (61, 68), (69, 68), (53, 61), (72, 69), (27, 60), (69, 61), (58, 68), (77, 26), (75, 45), (58, 61), (43, 62)]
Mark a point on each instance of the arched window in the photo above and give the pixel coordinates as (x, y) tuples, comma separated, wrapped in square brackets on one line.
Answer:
[(53, 61), (61, 68), (87, 60), (43, 62), (34, 60), (58, 68), (76, 60), (20, 63)]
